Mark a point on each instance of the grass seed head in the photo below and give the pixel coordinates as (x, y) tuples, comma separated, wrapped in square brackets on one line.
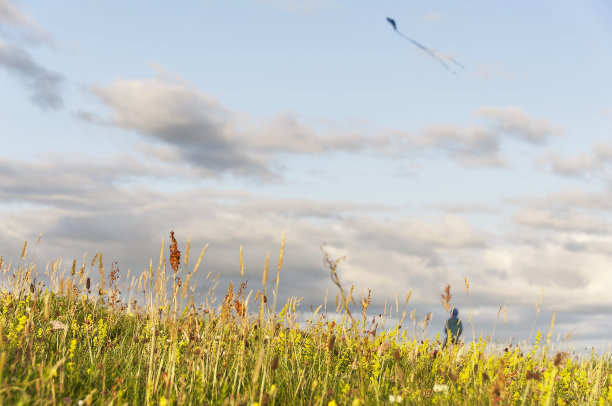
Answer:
[(175, 254), (331, 342), (274, 363), (446, 297), (365, 303), (560, 359), (427, 319), (534, 375)]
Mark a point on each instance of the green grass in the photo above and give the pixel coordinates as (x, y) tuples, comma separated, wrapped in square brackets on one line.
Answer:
[(72, 343)]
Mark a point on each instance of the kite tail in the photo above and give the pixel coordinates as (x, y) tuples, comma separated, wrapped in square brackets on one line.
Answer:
[(456, 62), (432, 53)]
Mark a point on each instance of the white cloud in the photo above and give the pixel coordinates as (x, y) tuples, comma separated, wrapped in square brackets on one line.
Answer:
[(198, 125), (563, 220), (577, 165), (195, 127), (470, 146), (515, 122), (595, 163), (194, 124), (472, 140), (463, 208), (210, 136), (480, 146), (22, 24), (44, 85), (578, 199)]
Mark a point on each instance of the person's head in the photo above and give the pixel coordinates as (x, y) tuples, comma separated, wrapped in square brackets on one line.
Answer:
[(454, 312)]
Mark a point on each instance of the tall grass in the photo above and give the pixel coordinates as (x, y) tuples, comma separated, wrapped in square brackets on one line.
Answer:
[(68, 340)]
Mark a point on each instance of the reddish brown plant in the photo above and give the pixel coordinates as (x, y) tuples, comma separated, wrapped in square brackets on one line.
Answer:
[(175, 254)]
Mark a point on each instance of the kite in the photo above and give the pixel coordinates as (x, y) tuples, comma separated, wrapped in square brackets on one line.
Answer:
[(442, 58)]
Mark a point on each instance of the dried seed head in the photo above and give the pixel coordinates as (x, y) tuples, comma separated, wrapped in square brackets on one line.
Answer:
[(365, 303), (426, 321), (274, 363), (88, 283), (397, 355), (535, 375), (175, 254), (446, 297), (560, 359), (331, 342)]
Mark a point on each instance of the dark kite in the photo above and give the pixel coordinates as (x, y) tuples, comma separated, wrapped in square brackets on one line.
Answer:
[(434, 54)]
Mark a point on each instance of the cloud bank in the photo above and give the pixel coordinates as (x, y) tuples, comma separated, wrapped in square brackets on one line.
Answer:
[(595, 163), (45, 86), (189, 125)]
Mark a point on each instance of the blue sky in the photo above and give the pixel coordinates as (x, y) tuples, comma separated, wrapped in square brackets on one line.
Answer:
[(232, 121)]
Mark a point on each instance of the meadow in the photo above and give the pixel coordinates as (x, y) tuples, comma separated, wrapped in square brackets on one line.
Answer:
[(65, 340)]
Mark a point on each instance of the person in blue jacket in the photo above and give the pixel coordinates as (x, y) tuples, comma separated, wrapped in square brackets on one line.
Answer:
[(453, 328)]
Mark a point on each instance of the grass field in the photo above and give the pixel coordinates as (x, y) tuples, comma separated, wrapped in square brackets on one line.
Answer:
[(70, 341)]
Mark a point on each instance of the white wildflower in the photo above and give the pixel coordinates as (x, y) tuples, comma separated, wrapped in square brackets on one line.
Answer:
[(440, 388), (58, 325)]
